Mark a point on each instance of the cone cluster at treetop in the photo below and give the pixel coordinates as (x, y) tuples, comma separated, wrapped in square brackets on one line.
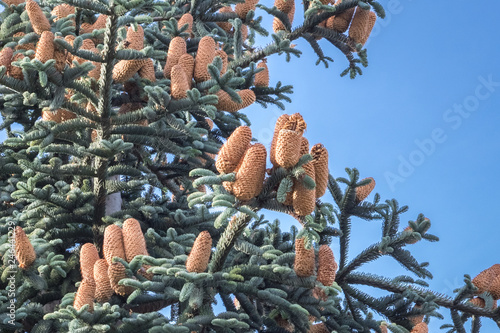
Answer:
[(133, 194)]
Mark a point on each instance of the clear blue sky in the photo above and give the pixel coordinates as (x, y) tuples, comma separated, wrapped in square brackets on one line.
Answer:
[(425, 61)]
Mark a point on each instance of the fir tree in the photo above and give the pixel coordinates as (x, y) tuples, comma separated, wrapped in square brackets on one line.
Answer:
[(133, 197)]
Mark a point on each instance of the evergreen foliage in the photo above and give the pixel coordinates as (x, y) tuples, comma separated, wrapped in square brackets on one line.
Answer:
[(115, 111)]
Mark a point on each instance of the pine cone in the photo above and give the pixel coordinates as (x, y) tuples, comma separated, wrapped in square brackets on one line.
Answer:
[(251, 174), (117, 272), (233, 150), (103, 291), (27, 46), (320, 161), (186, 61), (226, 26), (88, 257), (383, 328), (60, 56), (284, 324), (13, 2), (38, 20), (15, 71), (304, 200), (223, 56), (362, 192), (133, 239), (186, 18), (242, 9), (135, 38), (58, 116), (327, 267), (45, 47), (62, 11), (85, 295), (480, 303), (284, 5), (6, 57), (199, 256), (179, 83), (278, 25), (126, 69), (25, 252), (415, 320), (483, 280), (318, 328), (147, 71), (176, 49), (304, 259), (87, 44), (340, 23), (372, 18), (100, 23), (359, 24), (226, 103), (420, 328), (113, 243), (262, 78), (204, 57), (244, 32), (280, 122)]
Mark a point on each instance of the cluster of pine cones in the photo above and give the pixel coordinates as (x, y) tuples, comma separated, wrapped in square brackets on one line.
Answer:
[(100, 277)]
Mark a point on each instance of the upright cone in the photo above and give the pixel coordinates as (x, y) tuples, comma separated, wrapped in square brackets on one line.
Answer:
[(113, 243), (320, 162), (45, 47), (251, 173), (186, 19), (38, 20), (226, 103), (304, 259), (359, 24), (176, 49), (420, 328), (88, 257), (204, 57), (103, 290), (233, 150), (362, 192), (133, 239), (179, 84), (199, 256), (327, 267), (277, 127), (117, 272), (25, 252), (262, 78), (85, 295), (242, 9)]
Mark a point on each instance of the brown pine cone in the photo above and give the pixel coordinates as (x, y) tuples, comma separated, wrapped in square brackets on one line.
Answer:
[(233, 150), (25, 252), (362, 192), (318, 328), (62, 11), (186, 61), (58, 116), (199, 256), (340, 23), (133, 239), (176, 49), (226, 26), (278, 25), (117, 272), (147, 71), (204, 57), (6, 57), (103, 291), (226, 103), (359, 24), (372, 18), (85, 295), (420, 328), (135, 38), (186, 18), (223, 56), (39, 21), (262, 78), (113, 243), (88, 257), (304, 200), (179, 84), (483, 280), (304, 259), (327, 267), (280, 122), (242, 9), (251, 174), (125, 69), (320, 162)]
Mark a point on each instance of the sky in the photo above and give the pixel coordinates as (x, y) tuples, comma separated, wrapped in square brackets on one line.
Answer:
[(422, 121)]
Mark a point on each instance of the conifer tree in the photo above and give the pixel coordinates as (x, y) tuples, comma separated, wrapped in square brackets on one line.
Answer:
[(133, 196)]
